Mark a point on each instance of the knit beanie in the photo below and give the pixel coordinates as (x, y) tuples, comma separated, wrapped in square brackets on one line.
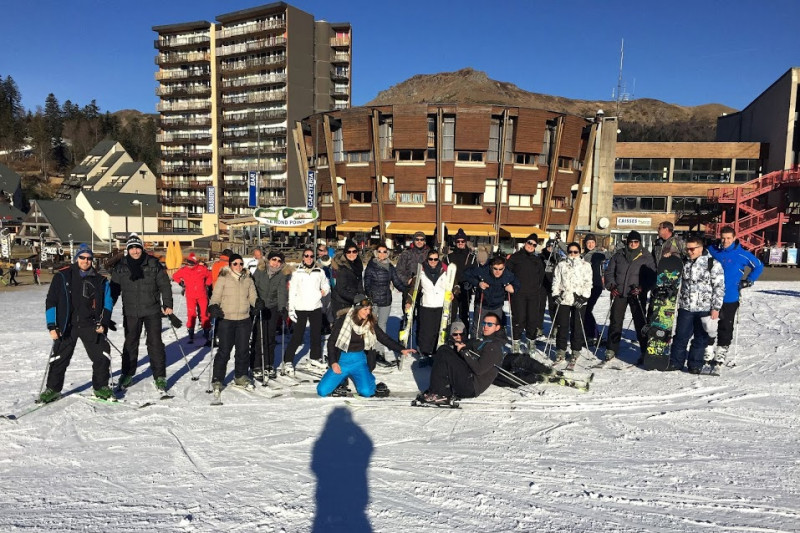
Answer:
[(134, 241), (457, 327), (459, 235), (84, 249), (533, 237), (589, 237), (419, 234), (234, 257), (633, 235), (361, 300), (192, 259)]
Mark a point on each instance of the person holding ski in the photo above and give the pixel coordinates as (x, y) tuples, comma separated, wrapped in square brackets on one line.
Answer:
[(349, 278), (700, 299), (195, 280), (666, 234), (433, 285), (572, 287), (408, 261), (529, 270), (355, 332), (379, 276), (146, 293), (493, 282), (270, 281), (734, 260), (463, 258), (469, 367), (78, 306), (629, 275), (596, 259), (307, 286), (234, 294)]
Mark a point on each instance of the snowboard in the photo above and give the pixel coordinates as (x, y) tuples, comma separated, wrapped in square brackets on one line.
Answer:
[(664, 298), (447, 305), (405, 332)]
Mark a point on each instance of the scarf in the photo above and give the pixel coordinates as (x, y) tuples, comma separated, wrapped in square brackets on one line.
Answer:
[(631, 254), (433, 272), (348, 327), (236, 276), (135, 266), (383, 263), (271, 270)]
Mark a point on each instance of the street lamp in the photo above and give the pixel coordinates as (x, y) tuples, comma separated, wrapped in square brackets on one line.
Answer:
[(141, 215)]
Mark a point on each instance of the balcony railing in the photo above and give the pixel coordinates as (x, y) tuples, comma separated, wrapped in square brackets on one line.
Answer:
[(182, 200), (184, 106), (183, 184), (263, 167), (341, 57), (340, 41), (340, 74), (183, 89), (181, 40), (253, 116), (243, 64), (251, 27), (252, 150), (174, 136), (185, 57), (253, 133), (249, 81), (172, 122), (179, 74), (185, 154), (186, 169), (254, 98), (252, 46)]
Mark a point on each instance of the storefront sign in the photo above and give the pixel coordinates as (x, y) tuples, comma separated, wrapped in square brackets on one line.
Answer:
[(211, 196), (634, 221), (252, 183), (312, 189)]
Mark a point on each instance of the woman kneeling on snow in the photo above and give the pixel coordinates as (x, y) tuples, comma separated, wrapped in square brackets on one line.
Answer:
[(356, 330)]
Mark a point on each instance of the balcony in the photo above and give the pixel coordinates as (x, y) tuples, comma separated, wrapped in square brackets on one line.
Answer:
[(253, 116), (254, 98), (253, 133), (182, 200), (184, 122), (177, 41), (235, 185), (251, 27), (181, 136), (340, 74), (340, 42), (341, 91), (185, 154), (183, 74), (341, 57), (252, 150), (180, 58), (183, 90), (244, 65), (251, 46), (186, 169), (263, 167), (253, 81), (190, 105)]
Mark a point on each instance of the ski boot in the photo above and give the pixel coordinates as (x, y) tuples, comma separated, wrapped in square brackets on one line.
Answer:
[(49, 395), (125, 381), (191, 336), (105, 393), (610, 354), (381, 390), (342, 391), (560, 355), (161, 384)]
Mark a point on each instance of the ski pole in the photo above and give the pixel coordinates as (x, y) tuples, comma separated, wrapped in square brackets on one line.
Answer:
[(51, 358), (209, 390), (547, 347), (263, 349), (185, 360), (477, 319), (583, 332), (732, 360), (510, 319), (603, 329)]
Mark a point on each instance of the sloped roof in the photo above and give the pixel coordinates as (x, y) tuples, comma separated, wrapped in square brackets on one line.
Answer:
[(113, 158), (102, 147), (9, 180), (128, 169), (66, 218), (9, 212), (119, 205)]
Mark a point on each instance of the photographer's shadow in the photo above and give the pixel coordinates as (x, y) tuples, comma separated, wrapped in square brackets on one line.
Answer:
[(340, 461)]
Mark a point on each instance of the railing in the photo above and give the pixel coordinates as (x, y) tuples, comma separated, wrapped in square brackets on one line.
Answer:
[(340, 73), (186, 154), (184, 121), (251, 27), (253, 132), (251, 46), (178, 74), (182, 136), (251, 116), (182, 57), (181, 40), (184, 106), (242, 64), (252, 150), (182, 89), (341, 57), (340, 41), (254, 80), (254, 98), (263, 167), (186, 169)]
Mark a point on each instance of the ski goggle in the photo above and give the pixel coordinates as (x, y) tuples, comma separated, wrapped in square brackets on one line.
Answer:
[(366, 302)]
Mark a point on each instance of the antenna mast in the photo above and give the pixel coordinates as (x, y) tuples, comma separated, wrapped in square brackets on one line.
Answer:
[(621, 96)]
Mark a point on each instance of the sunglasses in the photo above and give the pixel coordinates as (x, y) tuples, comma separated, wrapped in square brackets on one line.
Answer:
[(351, 252), (308, 255), (457, 334), (574, 252), (634, 240), (530, 243), (418, 239), (460, 241), (278, 259), (692, 248), (434, 259), (366, 302), (489, 324), (383, 251), (85, 257), (498, 269), (237, 264)]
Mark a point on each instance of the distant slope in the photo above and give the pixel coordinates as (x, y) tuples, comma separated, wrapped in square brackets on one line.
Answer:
[(644, 119)]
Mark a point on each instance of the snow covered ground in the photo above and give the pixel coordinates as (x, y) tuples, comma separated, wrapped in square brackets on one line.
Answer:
[(641, 451)]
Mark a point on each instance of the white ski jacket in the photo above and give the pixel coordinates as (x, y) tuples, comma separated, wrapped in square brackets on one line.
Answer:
[(433, 294), (702, 289), (306, 289), (572, 276)]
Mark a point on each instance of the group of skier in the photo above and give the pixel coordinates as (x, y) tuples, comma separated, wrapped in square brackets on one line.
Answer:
[(248, 302)]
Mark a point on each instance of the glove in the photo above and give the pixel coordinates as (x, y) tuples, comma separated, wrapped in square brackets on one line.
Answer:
[(614, 291), (112, 326), (580, 301), (456, 291), (215, 311), (745, 283), (260, 304), (557, 300), (175, 321), (636, 290), (293, 315), (467, 286)]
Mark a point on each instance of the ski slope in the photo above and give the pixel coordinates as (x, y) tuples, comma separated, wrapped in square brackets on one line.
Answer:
[(641, 451)]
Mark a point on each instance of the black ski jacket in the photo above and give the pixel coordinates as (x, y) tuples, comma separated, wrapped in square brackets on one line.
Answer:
[(529, 270), (378, 282), (62, 299), (349, 282), (481, 355), (462, 259), (143, 297), (624, 274)]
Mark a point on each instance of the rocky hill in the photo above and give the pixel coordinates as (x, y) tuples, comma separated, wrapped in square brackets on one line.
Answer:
[(644, 119)]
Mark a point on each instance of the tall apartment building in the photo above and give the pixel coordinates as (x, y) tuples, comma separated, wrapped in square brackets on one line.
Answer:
[(229, 92)]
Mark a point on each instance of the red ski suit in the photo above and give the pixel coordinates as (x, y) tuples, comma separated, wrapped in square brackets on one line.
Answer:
[(195, 279)]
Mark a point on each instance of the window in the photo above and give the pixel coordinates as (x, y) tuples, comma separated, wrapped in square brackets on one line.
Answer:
[(494, 140), (390, 190), (361, 197), (519, 200), (338, 146), (448, 137), (431, 189), (447, 196), (410, 198), (469, 157), (490, 190), (686, 203), (746, 170), (643, 203), (565, 163), (641, 169), (385, 137), (432, 132), (410, 155), (525, 159), (509, 141), (702, 170), (359, 157), (560, 202), (467, 198)]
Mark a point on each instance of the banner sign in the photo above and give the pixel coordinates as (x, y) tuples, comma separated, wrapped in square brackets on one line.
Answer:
[(312, 189), (285, 216), (634, 221), (211, 197), (252, 183)]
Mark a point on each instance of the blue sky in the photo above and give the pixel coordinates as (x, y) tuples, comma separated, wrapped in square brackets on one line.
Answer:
[(683, 52)]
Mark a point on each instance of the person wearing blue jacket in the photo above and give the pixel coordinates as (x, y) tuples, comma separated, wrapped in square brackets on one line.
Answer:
[(493, 282), (734, 260), (78, 306)]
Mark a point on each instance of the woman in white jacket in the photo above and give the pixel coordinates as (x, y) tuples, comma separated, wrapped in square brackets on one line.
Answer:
[(572, 286), (307, 287), (432, 285)]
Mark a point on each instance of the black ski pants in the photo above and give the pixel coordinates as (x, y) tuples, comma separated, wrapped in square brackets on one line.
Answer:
[(232, 334), (429, 321), (314, 321), (727, 317), (618, 308), (461, 306), (570, 318), (451, 375), (525, 314), (155, 346), (96, 347), (268, 323), (589, 322)]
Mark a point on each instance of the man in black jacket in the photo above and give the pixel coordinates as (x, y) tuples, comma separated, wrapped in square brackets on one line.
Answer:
[(630, 274), (468, 368), (78, 306), (463, 258), (144, 285), (529, 270), (596, 258)]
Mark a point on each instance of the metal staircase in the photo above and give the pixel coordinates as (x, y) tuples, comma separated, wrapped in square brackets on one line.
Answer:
[(751, 216)]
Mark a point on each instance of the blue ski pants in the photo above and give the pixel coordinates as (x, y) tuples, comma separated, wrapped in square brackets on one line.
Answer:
[(354, 365)]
